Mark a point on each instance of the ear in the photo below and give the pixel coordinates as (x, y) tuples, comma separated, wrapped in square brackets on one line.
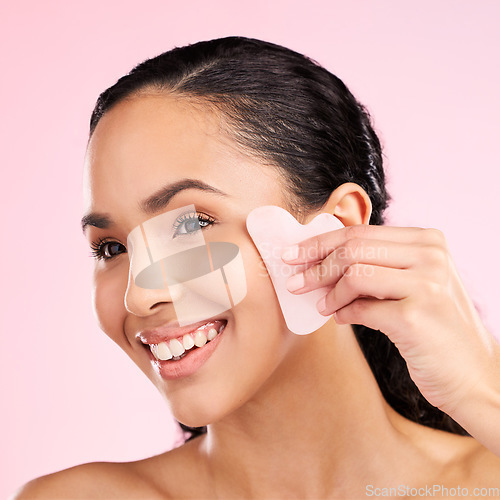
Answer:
[(349, 203)]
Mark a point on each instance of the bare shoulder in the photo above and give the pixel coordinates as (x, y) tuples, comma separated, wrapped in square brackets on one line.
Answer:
[(469, 463), (172, 473), (455, 459), (151, 478), (484, 466), (92, 480)]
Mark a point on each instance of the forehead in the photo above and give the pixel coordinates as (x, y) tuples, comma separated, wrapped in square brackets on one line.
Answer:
[(145, 142)]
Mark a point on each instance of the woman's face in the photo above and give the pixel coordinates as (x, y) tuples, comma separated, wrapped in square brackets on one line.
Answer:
[(141, 146)]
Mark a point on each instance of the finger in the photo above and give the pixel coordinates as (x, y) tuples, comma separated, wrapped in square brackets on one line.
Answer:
[(395, 318), (366, 280), (374, 313), (318, 247), (335, 265)]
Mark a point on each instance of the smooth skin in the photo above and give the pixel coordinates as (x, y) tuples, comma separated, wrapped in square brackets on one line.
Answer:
[(288, 416)]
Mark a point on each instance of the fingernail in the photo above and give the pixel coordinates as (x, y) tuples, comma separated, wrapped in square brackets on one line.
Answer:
[(321, 305), (290, 253), (295, 282)]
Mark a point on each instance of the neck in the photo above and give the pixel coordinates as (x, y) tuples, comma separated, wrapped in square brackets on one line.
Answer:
[(317, 428)]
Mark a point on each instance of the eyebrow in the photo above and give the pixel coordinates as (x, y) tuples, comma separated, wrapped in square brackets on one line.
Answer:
[(153, 203)]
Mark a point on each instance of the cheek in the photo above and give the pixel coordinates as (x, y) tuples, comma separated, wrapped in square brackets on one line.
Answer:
[(260, 325), (260, 299), (108, 302)]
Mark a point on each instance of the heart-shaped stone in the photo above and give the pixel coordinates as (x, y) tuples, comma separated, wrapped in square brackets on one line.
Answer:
[(272, 229)]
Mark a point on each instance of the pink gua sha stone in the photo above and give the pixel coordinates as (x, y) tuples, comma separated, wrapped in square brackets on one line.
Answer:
[(272, 230)]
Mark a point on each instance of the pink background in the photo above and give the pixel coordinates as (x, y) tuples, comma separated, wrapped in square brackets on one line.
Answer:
[(428, 72)]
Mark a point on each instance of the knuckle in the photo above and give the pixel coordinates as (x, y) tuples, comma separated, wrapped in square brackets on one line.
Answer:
[(350, 232), (309, 249), (309, 276), (429, 289), (353, 248), (316, 272), (357, 269), (314, 250), (355, 312), (434, 236), (432, 293), (351, 277), (357, 231), (408, 314), (358, 307), (436, 256), (430, 298)]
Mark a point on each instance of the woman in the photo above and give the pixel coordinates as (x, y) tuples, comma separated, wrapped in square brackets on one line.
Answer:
[(230, 125)]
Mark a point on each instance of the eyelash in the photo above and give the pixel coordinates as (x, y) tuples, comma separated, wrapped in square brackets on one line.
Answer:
[(98, 247), (203, 219)]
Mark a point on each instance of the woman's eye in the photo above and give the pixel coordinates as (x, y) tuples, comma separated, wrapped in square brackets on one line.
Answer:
[(190, 223), (106, 250)]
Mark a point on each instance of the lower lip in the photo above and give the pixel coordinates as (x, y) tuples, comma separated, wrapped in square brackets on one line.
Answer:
[(190, 363)]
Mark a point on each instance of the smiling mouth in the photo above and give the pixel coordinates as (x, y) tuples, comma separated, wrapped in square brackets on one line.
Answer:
[(175, 349)]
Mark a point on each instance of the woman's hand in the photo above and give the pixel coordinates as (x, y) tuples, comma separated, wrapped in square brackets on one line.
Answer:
[(403, 282)]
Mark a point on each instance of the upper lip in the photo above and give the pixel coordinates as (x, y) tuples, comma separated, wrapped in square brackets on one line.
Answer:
[(170, 331)]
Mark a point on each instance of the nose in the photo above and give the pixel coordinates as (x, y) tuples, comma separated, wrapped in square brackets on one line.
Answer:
[(144, 301), (147, 286)]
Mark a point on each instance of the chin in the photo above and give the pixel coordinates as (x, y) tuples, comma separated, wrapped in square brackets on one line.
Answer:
[(200, 411), (195, 420)]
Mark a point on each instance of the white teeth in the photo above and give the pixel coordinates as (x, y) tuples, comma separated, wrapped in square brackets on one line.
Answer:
[(162, 351), (154, 350), (187, 342), (212, 333), (200, 339), (176, 348)]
